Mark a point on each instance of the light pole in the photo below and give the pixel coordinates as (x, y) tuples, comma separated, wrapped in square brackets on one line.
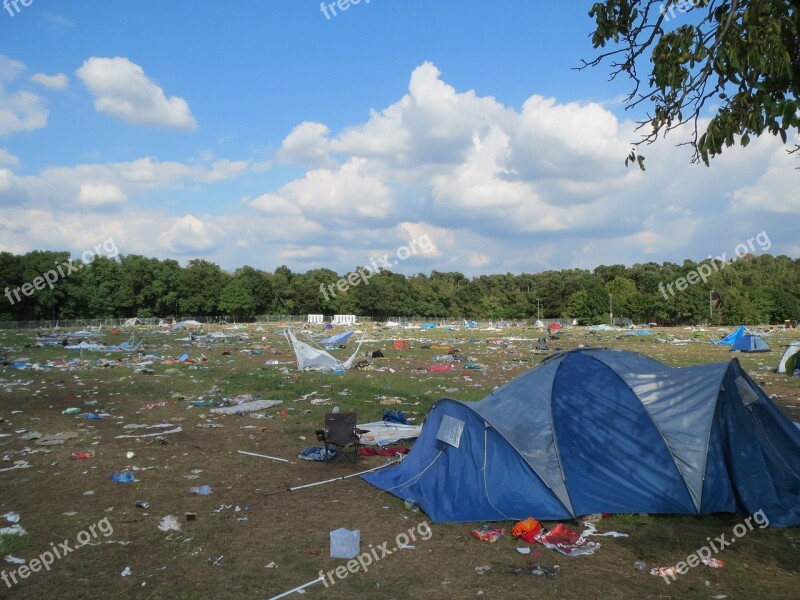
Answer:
[(710, 306), (538, 312), (611, 309)]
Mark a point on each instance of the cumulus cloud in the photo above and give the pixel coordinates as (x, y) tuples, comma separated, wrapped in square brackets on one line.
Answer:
[(190, 235), (121, 89), (92, 194), (54, 82), (20, 110)]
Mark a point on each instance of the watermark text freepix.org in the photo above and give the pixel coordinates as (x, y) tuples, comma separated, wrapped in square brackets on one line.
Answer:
[(329, 8), (683, 6), (364, 274), (363, 561), (715, 265), (13, 6), (48, 557), (714, 546), (48, 278)]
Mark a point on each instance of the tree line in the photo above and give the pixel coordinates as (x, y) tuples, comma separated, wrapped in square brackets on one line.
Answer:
[(753, 289)]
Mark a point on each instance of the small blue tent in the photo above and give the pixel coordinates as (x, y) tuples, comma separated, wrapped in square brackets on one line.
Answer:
[(599, 430), (732, 337), (750, 343)]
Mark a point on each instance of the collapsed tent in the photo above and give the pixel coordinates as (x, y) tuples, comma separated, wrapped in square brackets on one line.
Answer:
[(731, 338), (788, 362), (750, 343), (313, 359), (605, 431)]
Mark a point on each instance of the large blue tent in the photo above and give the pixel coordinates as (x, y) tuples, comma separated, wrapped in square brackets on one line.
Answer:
[(750, 343), (600, 430)]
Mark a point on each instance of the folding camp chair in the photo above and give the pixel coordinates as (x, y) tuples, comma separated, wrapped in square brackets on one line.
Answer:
[(341, 432)]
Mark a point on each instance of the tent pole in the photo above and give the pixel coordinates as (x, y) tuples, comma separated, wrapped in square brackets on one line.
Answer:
[(308, 485), (299, 588)]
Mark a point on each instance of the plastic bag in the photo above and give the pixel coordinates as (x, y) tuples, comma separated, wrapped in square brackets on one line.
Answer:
[(345, 543)]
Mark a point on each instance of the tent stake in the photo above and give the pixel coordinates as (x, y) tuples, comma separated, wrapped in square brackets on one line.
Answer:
[(308, 485)]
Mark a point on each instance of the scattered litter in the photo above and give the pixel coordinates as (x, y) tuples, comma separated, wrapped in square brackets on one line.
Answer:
[(640, 565), (345, 543), (11, 517), (271, 565), (203, 490), (144, 435), (123, 477), (486, 533), (71, 411), (524, 550), (527, 530), (13, 560), (539, 571), (19, 464), (713, 563), (316, 453), (58, 438), (169, 523), (591, 529), (246, 407), (480, 570), (15, 529), (567, 541), (126, 572)]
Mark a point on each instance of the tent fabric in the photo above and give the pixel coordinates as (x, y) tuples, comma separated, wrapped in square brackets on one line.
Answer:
[(339, 338), (313, 359), (599, 430), (788, 361), (750, 343), (731, 338)]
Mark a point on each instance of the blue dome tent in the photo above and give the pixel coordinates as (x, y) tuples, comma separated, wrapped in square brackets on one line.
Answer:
[(600, 430), (750, 343)]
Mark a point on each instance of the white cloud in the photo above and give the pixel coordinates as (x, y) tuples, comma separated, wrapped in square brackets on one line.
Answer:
[(308, 144), (6, 158), (122, 89), (190, 235), (494, 188), (22, 110), (54, 82), (92, 194)]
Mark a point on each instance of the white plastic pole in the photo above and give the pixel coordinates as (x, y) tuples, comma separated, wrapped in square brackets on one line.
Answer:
[(298, 588)]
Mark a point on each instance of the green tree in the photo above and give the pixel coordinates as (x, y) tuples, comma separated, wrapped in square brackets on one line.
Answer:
[(741, 58)]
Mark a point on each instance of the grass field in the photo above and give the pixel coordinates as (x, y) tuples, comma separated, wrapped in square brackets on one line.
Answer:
[(247, 542)]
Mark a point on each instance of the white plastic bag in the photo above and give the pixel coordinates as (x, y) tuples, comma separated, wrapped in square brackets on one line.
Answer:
[(345, 543)]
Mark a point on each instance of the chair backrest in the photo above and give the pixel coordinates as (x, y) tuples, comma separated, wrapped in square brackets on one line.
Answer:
[(341, 428)]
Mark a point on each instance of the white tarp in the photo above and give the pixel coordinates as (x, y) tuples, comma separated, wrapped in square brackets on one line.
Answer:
[(314, 359)]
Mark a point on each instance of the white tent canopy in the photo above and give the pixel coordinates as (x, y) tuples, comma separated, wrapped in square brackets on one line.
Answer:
[(315, 359)]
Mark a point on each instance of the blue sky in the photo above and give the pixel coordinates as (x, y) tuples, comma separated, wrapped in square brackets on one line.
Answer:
[(265, 133)]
